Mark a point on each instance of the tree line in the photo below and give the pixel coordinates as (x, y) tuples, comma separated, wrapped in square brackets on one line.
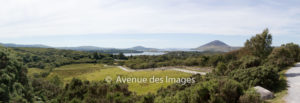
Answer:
[(202, 59), (48, 58)]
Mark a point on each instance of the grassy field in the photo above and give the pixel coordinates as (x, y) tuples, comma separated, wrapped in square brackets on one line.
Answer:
[(32, 71), (99, 72)]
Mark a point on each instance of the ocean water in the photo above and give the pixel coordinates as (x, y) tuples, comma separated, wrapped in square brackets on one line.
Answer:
[(144, 53)]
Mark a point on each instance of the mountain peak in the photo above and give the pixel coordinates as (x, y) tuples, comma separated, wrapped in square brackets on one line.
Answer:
[(215, 46), (216, 43), (139, 47)]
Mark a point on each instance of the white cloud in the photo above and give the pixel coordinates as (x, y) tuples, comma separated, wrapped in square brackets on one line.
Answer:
[(20, 18)]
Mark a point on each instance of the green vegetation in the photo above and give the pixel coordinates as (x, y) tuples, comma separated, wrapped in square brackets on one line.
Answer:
[(78, 91), (112, 51), (202, 59), (49, 58), (284, 56), (14, 86), (238, 72), (281, 91), (95, 92), (231, 81), (214, 90), (98, 72), (260, 45)]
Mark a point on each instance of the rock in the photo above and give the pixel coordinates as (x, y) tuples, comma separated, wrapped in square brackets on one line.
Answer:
[(264, 93)]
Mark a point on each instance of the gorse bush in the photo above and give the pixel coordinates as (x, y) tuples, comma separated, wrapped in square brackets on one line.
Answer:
[(285, 55), (265, 76), (215, 91), (95, 92)]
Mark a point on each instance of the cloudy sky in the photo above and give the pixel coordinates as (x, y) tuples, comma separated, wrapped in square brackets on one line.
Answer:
[(152, 23)]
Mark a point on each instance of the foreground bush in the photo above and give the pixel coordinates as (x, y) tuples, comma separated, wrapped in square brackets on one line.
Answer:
[(284, 56), (265, 76), (250, 96), (14, 85), (213, 91), (95, 92)]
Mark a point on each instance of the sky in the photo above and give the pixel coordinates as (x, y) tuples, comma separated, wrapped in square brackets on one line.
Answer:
[(150, 23)]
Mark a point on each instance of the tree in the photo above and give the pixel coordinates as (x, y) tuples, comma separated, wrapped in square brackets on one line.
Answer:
[(56, 81), (293, 49), (220, 69), (260, 45), (122, 56), (285, 55), (14, 85), (45, 90)]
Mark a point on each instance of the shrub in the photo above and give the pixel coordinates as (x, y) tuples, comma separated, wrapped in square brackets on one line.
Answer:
[(265, 76), (221, 69), (215, 90), (99, 92), (249, 61), (284, 56), (250, 96)]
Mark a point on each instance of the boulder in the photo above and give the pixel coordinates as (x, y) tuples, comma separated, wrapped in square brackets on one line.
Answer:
[(264, 93)]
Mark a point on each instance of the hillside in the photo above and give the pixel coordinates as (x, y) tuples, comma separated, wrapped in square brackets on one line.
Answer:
[(84, 48), (22, 45), (78, 48), (141, 48)]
